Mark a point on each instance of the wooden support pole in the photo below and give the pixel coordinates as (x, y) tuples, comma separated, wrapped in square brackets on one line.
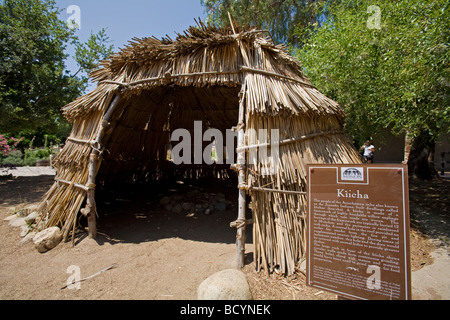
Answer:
[(91, 208), (240, 237), (69, 183), (90, 211)]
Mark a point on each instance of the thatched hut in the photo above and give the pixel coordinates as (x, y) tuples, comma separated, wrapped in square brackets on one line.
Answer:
[(224, 78)]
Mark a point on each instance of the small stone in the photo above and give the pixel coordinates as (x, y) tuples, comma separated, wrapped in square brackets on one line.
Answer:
[(208, 211), (228, 284), (17, 222), (12, 217), (24, 231), (31, 218), (220, 206), (33, 208), (28, 237), (186, 206), (199, 208), (219, 196), (164, 201), (303, 266), (190, 195), (177, 209), (47, 239)]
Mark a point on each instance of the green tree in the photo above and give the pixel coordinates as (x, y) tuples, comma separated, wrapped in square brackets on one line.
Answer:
[(280, 17), (34, 84), (388, 66), (88, 55)]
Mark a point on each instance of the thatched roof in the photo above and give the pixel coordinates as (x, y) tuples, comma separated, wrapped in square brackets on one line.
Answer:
[(152, 87), (207, 56)]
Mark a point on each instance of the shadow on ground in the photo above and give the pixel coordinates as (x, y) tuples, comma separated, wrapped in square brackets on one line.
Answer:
[(22, 190), (133, 214), (429, 208)]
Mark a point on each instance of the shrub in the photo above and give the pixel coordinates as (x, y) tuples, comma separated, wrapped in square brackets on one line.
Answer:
[(4, 146), (14, 158), (8, 145), (31, 156)]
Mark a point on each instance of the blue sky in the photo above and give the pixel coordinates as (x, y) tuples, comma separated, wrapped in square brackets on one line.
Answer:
[(124, 20)]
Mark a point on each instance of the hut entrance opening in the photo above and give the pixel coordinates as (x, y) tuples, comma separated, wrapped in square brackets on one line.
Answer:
[(139, 148), (137, 167)]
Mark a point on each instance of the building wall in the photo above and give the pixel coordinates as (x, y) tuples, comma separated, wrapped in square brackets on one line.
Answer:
[(391, 150), (442, 154)]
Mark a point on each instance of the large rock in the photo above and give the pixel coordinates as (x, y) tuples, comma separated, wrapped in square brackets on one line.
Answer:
[(228, 284), (47, 239)]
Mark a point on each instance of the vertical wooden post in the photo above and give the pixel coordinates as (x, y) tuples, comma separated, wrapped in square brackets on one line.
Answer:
[(91, 206), (90, 211), (241, 166), (240, 237)]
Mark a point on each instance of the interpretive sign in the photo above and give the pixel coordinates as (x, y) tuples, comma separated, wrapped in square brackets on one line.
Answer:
[(358, 231)]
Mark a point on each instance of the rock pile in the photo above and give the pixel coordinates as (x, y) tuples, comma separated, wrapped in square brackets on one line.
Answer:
[(195, 201), (27, 220)]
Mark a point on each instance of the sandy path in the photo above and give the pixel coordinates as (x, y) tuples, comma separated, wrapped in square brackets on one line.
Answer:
[(158, 255)]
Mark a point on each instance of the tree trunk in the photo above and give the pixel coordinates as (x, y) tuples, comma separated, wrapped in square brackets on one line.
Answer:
[(419, 155)]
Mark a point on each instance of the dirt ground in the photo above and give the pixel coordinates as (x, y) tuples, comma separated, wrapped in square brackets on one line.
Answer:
[(165, 256)]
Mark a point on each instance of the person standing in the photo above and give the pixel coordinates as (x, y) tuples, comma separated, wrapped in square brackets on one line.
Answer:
[(368, 152)]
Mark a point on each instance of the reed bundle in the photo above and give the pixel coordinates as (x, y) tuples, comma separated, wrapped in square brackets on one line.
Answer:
[(279, 217), (220, 77)]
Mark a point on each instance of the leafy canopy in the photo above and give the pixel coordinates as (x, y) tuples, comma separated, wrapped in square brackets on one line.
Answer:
[(34, 84), (280, 17), (391, 74)]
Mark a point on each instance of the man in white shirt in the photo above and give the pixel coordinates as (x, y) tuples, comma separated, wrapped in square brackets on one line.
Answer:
[(369, 151)]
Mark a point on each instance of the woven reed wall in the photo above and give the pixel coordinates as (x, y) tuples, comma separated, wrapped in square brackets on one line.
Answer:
[(279, 229)]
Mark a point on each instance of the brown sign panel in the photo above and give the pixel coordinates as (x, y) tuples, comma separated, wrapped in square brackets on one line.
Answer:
[(358, 231)]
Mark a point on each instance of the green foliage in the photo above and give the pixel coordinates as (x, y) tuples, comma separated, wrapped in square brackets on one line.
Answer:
[(9, 144), (31, 156), (34, 84), (394, 76), (279, 17), (5, 148), (14, 158), (17, 158), (88, 55)]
